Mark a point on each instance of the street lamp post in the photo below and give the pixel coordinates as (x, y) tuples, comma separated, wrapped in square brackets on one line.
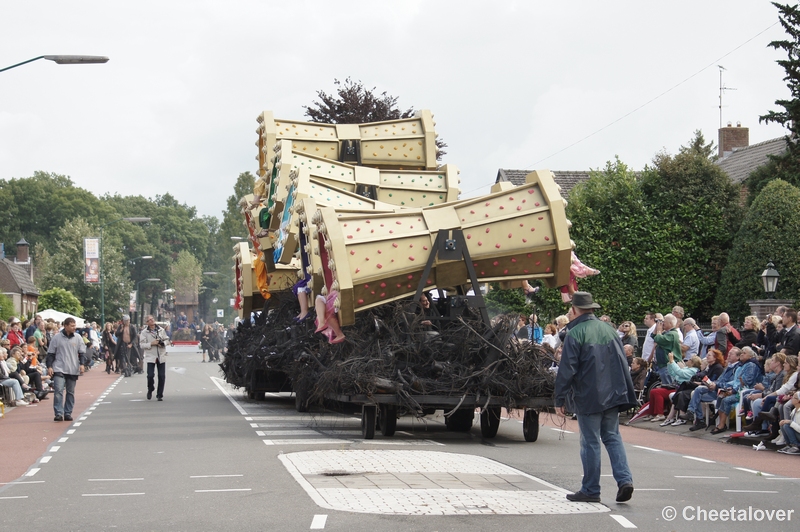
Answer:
[(63, 60), (769, 278), (132, 219), (138, 299)]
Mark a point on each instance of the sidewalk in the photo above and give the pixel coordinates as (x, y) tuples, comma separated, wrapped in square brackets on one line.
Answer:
[(28, 431)]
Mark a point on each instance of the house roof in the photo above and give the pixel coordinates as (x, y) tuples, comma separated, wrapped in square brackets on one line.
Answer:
[(742, 161), (565, 179), (15, 279)]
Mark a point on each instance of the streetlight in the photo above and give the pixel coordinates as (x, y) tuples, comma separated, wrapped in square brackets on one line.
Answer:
[(64, 60), (131, 219), (138, 300), (770, 279), (237, 238)]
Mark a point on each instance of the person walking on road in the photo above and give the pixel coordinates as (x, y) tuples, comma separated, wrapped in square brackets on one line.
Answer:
[(593, 374), (64, 366), (153, 341)]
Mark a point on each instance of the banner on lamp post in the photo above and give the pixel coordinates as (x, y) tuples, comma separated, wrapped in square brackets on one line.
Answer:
[(91, 260)]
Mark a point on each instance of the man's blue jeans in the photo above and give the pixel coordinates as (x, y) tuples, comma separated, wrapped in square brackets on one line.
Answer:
[(602, 426), (60, 383), (701, 394)]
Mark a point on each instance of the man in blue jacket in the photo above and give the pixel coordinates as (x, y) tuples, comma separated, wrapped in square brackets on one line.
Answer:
[(593, 375)]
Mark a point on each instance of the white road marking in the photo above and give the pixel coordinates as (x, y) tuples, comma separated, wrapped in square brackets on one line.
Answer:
[(32, 472), (691, 476), (754, 471), (748, 491), (82, 419), (23, 482), (71, 431), (45, 459), (214, 491), (55, 448), (648, 448), (76, 424), (783, 478), (318, 522), (254, 425), (623, 521), (655, 489), (112, 479), (562, 430), (109, 494), (62, 440), (700, 459), (233, 401), (318, 441), (17, 497), (214, 476)]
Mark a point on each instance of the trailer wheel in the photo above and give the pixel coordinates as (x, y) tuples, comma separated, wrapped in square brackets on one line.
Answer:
[(530, 425), (251, 395), (260, 396), (387, 419), (460, 420), (490, 421), (368, 413)]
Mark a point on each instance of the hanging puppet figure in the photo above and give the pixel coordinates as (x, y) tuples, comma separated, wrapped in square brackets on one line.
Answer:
[(577, 269), (327, 322), (301, 291)]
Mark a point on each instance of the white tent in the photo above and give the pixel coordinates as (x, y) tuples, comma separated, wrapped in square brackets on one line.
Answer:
[(60, 317)]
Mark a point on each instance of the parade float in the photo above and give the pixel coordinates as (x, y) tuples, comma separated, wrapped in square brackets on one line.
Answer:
[(350, 226)]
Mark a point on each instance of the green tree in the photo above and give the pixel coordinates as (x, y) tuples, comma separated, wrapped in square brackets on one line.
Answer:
[(785, 166), (353, 103), (506, 301), (66, 270), (772, 221), (660, 238), (6, 308), (35, 207), (60, 300), (186, 276)]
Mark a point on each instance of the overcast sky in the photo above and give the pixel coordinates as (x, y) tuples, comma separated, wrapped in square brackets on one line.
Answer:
[(510, 84)]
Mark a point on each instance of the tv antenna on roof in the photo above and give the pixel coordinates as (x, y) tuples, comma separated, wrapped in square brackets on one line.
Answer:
[(722, 89)]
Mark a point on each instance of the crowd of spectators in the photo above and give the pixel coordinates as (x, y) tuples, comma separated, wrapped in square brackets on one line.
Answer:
[(684, 375)]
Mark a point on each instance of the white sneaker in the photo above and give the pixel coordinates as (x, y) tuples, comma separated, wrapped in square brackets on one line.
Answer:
[(779, 440), (21, 402), (666, 422), (678, 422)]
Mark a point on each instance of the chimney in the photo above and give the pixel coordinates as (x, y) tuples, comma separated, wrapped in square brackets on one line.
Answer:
[(22, 252), (733, 137)]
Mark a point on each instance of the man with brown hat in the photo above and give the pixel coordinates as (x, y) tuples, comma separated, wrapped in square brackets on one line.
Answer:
[(593, 377)]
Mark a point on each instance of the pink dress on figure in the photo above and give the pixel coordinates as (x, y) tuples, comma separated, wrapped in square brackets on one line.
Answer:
[(576, 269)]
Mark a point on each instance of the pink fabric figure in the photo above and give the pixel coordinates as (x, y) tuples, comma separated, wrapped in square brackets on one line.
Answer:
[(577, 269), (327, 322)]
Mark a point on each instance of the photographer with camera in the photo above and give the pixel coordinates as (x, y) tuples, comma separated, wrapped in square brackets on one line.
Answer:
[(153, 340)]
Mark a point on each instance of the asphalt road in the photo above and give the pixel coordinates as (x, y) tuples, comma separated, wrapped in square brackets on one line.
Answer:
[(206, 458)]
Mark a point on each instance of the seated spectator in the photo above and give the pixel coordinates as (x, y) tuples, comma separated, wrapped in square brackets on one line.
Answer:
[(714, 366), (708, 393), (790, 428), (7, 381), (629, 353), (638, 373), (29, 367), (769, 411), (746, 376), (658, 396), (752, 402)]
